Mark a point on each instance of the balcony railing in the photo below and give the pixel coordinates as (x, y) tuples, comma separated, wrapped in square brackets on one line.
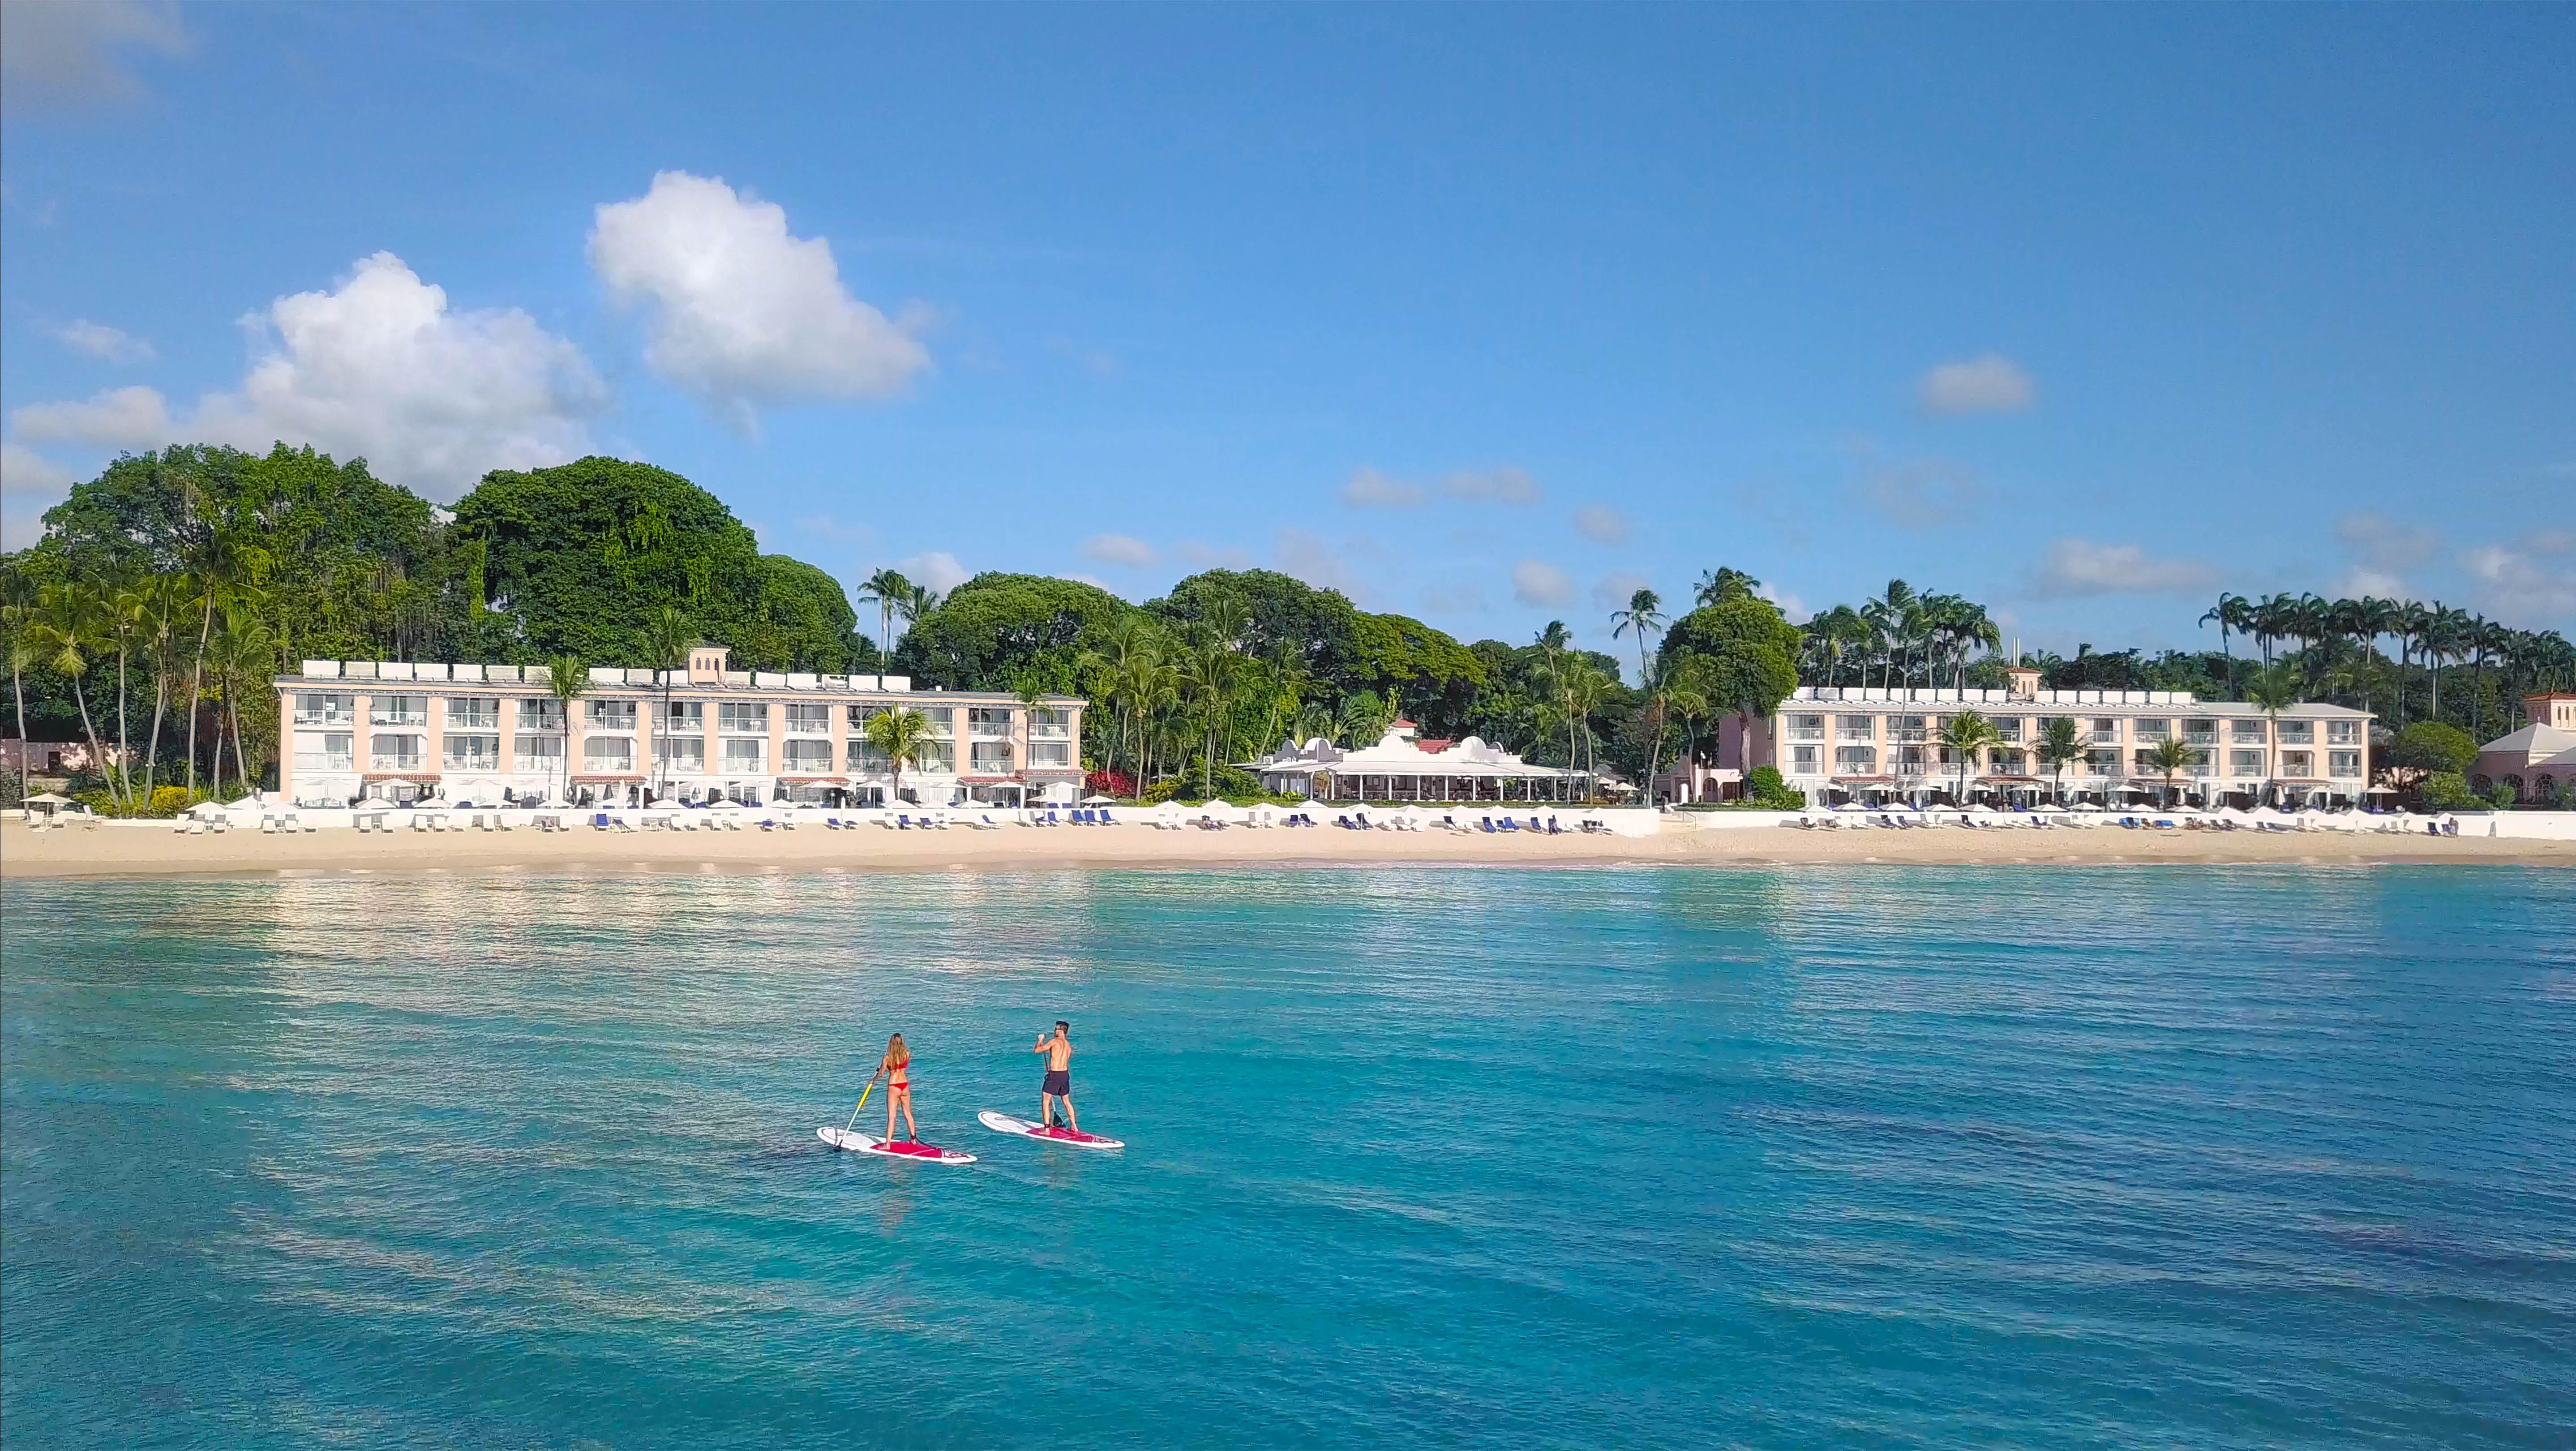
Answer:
[(474, 761), (475, 720), (328, 716), (309, 761)]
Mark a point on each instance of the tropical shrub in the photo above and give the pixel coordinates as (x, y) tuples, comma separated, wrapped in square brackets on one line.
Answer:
[(2448, 791), (1764, 787)]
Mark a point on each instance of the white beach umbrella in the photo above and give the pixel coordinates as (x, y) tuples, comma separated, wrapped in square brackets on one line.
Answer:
[(1098, 800)]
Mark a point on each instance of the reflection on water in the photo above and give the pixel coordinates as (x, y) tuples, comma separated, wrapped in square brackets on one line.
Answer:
[(1785, 1156)]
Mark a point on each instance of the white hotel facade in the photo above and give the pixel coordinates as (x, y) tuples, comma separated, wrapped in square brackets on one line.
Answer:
[(1840, 742), (399, 730)]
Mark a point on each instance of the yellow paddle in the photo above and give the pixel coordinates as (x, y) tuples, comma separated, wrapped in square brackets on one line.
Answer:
[(863, 1103)]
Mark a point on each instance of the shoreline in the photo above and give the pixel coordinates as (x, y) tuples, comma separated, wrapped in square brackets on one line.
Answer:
[(134, 852)]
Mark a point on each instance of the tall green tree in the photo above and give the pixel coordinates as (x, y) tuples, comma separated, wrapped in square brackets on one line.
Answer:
[(901, 735), (2062, 742), (567, 680)]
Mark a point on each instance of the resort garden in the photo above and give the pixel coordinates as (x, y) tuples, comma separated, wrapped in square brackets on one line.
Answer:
[(147, 620)]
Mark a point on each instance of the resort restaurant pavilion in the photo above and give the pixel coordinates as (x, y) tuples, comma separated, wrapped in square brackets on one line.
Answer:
[(1401, 767)]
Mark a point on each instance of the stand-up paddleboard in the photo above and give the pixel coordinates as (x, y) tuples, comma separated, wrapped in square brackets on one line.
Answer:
[(1002, 1123), (894, 1149)]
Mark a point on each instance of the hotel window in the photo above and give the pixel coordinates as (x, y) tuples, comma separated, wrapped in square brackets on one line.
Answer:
[(865, 757), (742, 717), (608, 755), (2011, 763), (684, 717), (2008, 728), (325, 751), (534, 752), (747, 755), (1856, 727), (612, 715), (1050, 723), (809, 720), (2102, 763), (2343, 763), (1051, 753), (398, 753), (471, 753), (937, 757), (2200, 732), (399, 710), (2151, 729), (2245, 763), (1806, 728), (540, 715), (468, 713), (807, 758), (2343, 733), (1802, 760), (1909, 761), (2247, 730), (2297, 763), (991, 758), (2106, 731), (2298, 732), (943, 722), (859, 715), (989, 723), (1855, 760), (1905, 727), (326, 709), (685, 754)]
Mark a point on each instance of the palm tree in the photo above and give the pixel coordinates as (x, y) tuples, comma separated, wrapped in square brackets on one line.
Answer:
[(172, 600), (1891, 618), (1722, 584), (1587, 685), (25, 654), (2272, 691), (667, 638), (888, 591), (1681, 692), (566, 680), (2171, 757), (2225, 614), (240, 652), (1965, 735), (66, 626), (2061, 743), (1641, 619), (918, 603), (1031, 692), (902, 736), (225, 561), (1207, 679)]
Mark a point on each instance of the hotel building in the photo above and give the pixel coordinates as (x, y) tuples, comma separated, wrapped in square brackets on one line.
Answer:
[(1835, 742), (400, 730)]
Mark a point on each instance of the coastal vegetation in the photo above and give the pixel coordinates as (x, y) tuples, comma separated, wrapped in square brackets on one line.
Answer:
[(162, 595)]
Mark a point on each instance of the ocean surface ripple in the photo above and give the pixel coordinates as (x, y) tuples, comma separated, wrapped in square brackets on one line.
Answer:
[(1886, 1157)]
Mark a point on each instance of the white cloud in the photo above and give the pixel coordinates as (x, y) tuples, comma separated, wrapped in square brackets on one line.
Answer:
[(2385, 548), (1118, 549), (433, 399), (1601, 525), (1369, 489), (1534, 583), (2363, 582), (1990, 383), (99, 340), (2080, 567), (1923, 494), (937, 568), (63, 53), (744, 312), (1790, 605), (1615, 587), (1303, 556), (2531, 587), (30, 483), (1499, 486), (127, 418)]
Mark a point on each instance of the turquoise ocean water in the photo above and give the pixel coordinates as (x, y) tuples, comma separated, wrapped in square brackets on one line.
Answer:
[(1803, 1157)]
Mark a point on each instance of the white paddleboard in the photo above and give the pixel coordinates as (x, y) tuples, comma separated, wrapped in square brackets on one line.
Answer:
[(897, 1149), (1002, 1123)]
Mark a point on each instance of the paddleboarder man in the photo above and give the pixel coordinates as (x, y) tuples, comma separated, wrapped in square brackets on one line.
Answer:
[(1058, 1048)]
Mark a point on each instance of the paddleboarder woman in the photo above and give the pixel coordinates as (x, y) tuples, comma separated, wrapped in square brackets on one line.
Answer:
[(896, 1069), (1058, 1048)]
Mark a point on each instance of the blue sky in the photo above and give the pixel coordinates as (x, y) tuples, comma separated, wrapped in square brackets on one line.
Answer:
[(1482, 314)]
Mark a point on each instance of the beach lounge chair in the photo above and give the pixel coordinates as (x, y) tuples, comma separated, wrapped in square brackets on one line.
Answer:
[(1104, 817)]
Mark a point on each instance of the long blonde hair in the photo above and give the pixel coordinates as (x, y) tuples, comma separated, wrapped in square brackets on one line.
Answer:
[(897, 1055)]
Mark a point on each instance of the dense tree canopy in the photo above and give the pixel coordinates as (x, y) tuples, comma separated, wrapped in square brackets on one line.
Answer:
[(996, 630), (574, 560)]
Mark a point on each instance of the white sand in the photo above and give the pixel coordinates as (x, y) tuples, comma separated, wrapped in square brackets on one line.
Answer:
[(110, 850)]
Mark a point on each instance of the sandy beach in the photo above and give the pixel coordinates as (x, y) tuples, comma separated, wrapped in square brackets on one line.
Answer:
[(109, 851)]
